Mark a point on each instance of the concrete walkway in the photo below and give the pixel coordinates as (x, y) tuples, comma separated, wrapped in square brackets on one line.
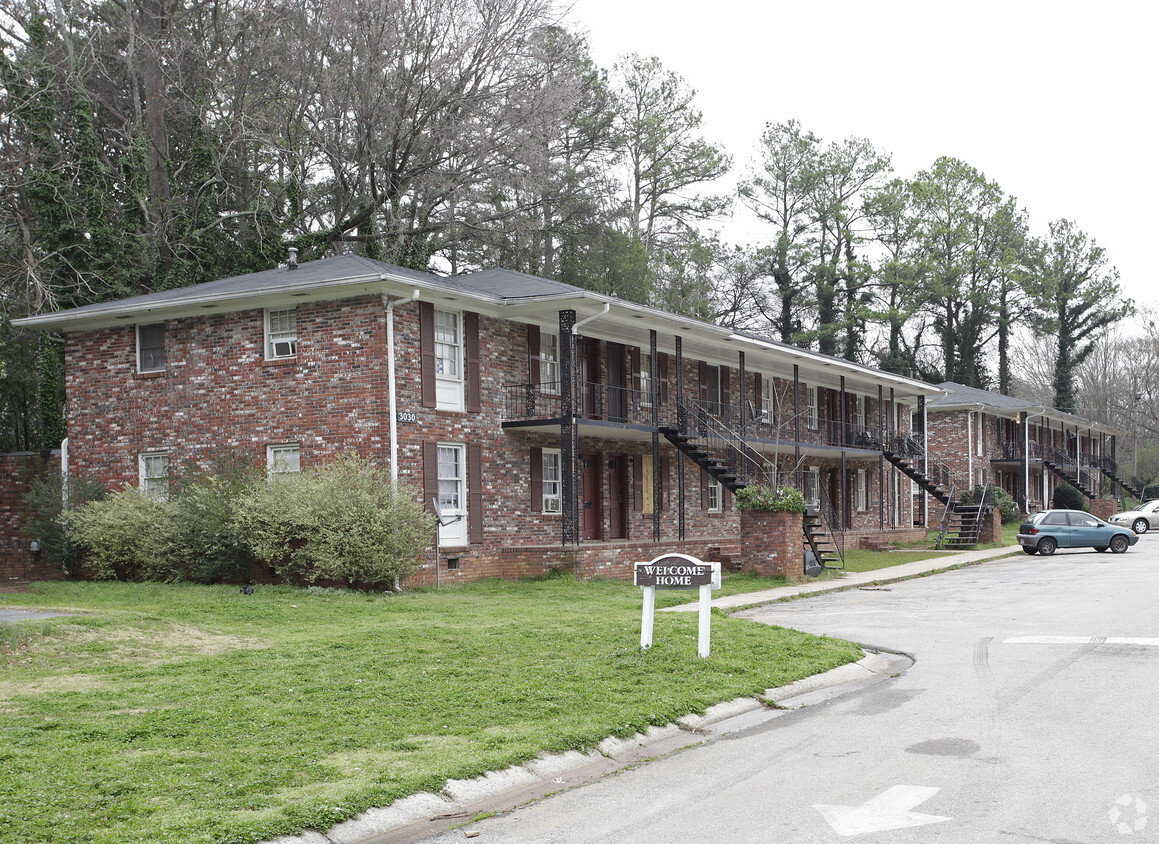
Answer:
[(853, 580)]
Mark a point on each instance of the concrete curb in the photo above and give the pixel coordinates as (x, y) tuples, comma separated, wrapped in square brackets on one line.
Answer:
[(422, 815)]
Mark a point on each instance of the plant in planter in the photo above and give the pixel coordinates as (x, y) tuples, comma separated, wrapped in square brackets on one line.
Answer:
[(766, 499)]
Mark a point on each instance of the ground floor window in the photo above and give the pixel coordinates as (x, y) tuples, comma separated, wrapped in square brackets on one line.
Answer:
[(552, 486), (153, 474), (715, 496), (283, 459)]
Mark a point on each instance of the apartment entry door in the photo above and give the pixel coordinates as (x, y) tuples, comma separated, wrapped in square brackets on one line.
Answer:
[(590, 509), (617, 497), (589, 376)]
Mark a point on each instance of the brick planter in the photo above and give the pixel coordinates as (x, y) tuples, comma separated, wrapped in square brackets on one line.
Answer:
[(1104, 508), (772, 543)]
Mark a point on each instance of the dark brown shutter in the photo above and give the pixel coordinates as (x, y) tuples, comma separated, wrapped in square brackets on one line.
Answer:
[(430, 474), (703, 373), (662, 370), (474, 492), (533, 349), (758, 395), (725, 392), (471, 346), (703, 490), (638, 484), (427, 352), (536, 479), (634, 358)]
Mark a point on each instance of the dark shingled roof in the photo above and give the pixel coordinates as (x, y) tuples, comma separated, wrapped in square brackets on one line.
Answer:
[(507, 284), (960, 394)]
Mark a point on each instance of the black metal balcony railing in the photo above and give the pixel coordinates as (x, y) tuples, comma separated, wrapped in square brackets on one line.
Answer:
[(529, 402)]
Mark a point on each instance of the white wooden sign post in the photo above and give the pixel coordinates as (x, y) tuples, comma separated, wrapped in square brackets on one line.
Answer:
[(677, 571)]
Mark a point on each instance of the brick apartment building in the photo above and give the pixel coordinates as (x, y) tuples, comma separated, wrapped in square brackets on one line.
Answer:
[(1026, 449), (561, 426)]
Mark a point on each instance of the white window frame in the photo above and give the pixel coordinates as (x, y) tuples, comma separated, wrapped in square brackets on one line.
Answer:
[(548, 363), (141, 357), (153, 474), (449, 351), (979, 446), (646, 379), (813, 486), (812, 416), (859, 412), (551, 481), (768, 398), (281, 339), (715, 496), (452, 493), (862, 491), (283, 459)]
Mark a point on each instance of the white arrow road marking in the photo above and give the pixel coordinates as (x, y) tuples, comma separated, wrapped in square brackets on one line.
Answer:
[(1081, 640), (888, 810)]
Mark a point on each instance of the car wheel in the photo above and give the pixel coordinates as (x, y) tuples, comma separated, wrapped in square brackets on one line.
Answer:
[(1026, 550), (1101, 548), (1141, 526), (1047, 546), (1120, 543)]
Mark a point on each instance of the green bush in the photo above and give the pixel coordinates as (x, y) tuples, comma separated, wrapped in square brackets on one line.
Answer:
[(1008, 508), (346, 522), (124, 536), (1066, 497), (48, 517), (766, 499), (205, 543)]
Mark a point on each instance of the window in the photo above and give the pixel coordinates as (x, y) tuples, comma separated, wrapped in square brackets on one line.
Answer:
[(646, 378), (715, 496), (283, 459), (858, 413), (813, 486), (811, 408), (448, 346), (713, 386), (281, 334), (978, 433), (862, 491), (452, 493), (552, 485), (153, 473), (151, 347), (767, 398), (549, 363)]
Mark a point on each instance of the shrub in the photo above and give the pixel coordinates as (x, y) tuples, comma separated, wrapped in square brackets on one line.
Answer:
[(205, 543), (48, 517), (1066, 497), (124, 535), (770, 500), (346, 522), (1008, 508)]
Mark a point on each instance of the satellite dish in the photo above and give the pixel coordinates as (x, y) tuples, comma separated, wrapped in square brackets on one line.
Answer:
[(444, 520)]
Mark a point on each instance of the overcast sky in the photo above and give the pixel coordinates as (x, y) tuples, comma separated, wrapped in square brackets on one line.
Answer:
[(1056, 102)]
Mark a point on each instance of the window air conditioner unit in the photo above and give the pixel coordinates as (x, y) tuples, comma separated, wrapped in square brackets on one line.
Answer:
[(551, 505), (285, 348)]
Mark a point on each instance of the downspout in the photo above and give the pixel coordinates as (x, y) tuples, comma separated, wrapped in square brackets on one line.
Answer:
[(575, 328), (969, 449), (1026, 460), (392, 400)]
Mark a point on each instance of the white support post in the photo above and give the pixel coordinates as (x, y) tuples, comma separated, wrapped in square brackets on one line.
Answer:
[(649, 616), (703, 644)]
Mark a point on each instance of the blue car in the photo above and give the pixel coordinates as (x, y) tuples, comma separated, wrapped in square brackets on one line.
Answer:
[(1048, 530)]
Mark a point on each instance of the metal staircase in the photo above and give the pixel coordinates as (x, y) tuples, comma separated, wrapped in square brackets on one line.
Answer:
[(906, 454), (1110, 469), (822, 540), (1060, 463), (725, 456), (962, 524)]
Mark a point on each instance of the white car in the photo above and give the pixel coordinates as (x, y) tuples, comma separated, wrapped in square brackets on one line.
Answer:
[(1142, 519)]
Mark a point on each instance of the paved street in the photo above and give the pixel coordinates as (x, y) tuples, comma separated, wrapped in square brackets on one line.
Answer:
[(1026, 716)]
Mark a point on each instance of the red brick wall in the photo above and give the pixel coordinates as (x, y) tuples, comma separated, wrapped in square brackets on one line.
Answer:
[(17, 471), (773, 543), (218, 391)]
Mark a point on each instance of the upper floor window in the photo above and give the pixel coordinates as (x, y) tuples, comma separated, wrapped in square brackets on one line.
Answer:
[(768, 397), (646, 378), (448, 345), (153, 474), (151, 347), (712, 386), (283, 459), (862, 491), (549, 362), (978, 429), (281, 333), (811, 414), (859, 413)]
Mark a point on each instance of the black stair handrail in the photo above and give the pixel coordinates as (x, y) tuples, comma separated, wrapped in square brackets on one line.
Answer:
[(945, 525), (746, 464), (937, 472), (1065, 465), (828, 514)]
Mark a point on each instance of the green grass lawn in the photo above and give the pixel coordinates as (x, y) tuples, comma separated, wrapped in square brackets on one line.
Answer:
[(197, 714)]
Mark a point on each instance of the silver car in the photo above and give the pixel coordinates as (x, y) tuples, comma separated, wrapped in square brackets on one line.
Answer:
[(1142, 519)]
